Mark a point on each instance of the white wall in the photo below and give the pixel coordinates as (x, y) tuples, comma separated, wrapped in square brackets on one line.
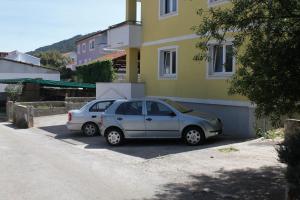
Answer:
[(22, 57), (120, 90)]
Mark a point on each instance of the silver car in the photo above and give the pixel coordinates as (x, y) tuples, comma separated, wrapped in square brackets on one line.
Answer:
[(153, 118), (88, 117)]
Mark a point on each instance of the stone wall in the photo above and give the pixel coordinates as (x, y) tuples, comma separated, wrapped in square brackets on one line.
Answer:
[(23, 116), (22, 113)]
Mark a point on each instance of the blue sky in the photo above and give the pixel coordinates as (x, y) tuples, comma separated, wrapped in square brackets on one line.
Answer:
[(28, 24)]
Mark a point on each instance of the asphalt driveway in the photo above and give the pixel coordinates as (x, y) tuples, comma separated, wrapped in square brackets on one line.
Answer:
[(170, 169)]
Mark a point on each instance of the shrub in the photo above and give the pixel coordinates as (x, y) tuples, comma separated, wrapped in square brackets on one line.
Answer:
[(14, 91), (289, 153), (96, 72)]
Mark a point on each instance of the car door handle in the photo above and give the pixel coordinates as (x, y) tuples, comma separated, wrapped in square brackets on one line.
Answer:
[(119, 118), (149, 119), (94, 116)]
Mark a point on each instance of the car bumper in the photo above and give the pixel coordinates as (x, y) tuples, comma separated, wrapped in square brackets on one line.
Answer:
[(214, 133), (74, 126)]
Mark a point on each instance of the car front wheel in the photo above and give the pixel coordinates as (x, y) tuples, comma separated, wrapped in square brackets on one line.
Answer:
[(114, 137), (194, 136)]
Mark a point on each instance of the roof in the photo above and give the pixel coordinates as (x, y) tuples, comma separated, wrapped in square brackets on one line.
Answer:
[(32, 65), (49, 83), (111, 56), (90, 35)]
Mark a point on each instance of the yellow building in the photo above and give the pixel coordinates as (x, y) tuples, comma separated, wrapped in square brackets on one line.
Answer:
[(165, 44)]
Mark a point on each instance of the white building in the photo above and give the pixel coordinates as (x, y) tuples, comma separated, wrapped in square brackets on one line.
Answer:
[(23, 57), (11, 69)]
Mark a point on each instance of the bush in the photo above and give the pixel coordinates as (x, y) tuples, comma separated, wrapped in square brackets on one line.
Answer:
[(14, 91), (289, 153), (96, 72)]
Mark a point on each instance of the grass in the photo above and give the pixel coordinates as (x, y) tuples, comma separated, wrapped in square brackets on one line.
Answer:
[(228, 150)]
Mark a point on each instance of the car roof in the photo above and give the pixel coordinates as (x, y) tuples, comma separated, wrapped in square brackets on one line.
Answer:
[(140, 99)]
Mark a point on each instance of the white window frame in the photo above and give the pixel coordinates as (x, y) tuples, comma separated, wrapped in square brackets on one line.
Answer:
[(170, 76), (216, 2), (161, 9), (210, 68), (90, 45), (83, 46)]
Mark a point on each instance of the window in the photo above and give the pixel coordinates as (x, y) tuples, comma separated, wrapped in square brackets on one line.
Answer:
[(158, 109), (130, 108), (83, 48), (168, 7), (168, 62), (78, 49), (216, 2), (92, 44), (221, 60), (100, 106)]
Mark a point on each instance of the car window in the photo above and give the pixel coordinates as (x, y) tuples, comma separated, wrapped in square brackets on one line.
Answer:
[(158, 109), (130, 108), (100, 106)]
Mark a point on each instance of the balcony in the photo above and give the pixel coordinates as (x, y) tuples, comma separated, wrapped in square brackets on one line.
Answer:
[(127, 34)]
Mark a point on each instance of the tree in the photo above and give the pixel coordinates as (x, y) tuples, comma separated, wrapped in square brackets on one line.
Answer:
[(56, 60), (266, 37)]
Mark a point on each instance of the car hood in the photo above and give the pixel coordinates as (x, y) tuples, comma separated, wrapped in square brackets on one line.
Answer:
[(205, 116)]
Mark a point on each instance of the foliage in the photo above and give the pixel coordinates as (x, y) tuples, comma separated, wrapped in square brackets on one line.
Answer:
[(228, 150), (289, 153), (62, 46), (14, 91), (266, 37), (67, 74), (271, 134), (96, 72), (53, 59)]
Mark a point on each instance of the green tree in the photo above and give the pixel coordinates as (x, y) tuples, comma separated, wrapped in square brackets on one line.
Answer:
[(267, 47), (55, 59)]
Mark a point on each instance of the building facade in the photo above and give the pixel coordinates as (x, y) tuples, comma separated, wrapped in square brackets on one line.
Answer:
[(23, 57), (167, 46), (91, 47)]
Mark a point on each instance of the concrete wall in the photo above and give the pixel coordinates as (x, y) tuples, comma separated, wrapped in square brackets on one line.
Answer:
[(23, 116), (120, 90), (238, 121)]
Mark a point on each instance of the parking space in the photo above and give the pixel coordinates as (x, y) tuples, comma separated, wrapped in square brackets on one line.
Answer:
[(210, 171)]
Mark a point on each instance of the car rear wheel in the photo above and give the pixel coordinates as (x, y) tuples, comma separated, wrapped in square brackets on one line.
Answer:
[(90, 129), (194, 136), (114, 137)]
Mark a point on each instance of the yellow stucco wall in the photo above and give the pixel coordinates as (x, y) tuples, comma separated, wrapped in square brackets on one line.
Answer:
[(191, 79)]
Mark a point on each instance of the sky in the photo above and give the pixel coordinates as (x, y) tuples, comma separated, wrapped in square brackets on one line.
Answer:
[(26, 25)]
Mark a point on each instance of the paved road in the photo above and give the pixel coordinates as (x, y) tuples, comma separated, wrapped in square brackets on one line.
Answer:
[(48, 162), (36, 167)]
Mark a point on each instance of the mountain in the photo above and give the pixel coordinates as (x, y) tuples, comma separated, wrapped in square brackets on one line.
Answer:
[(62, 46)]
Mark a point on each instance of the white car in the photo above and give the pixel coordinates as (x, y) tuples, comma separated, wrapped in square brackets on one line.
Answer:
[(88, 117)]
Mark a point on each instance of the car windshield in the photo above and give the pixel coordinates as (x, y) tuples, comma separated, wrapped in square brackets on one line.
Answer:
[(178, 106)]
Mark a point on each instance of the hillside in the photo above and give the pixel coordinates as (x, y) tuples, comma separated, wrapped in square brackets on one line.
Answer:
[(62, 46)]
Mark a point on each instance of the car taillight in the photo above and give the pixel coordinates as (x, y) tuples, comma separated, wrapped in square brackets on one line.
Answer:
[(69, 116)]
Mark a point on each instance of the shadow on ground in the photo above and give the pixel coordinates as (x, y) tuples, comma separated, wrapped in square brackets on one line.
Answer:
[(146, 149), (266, 183)]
